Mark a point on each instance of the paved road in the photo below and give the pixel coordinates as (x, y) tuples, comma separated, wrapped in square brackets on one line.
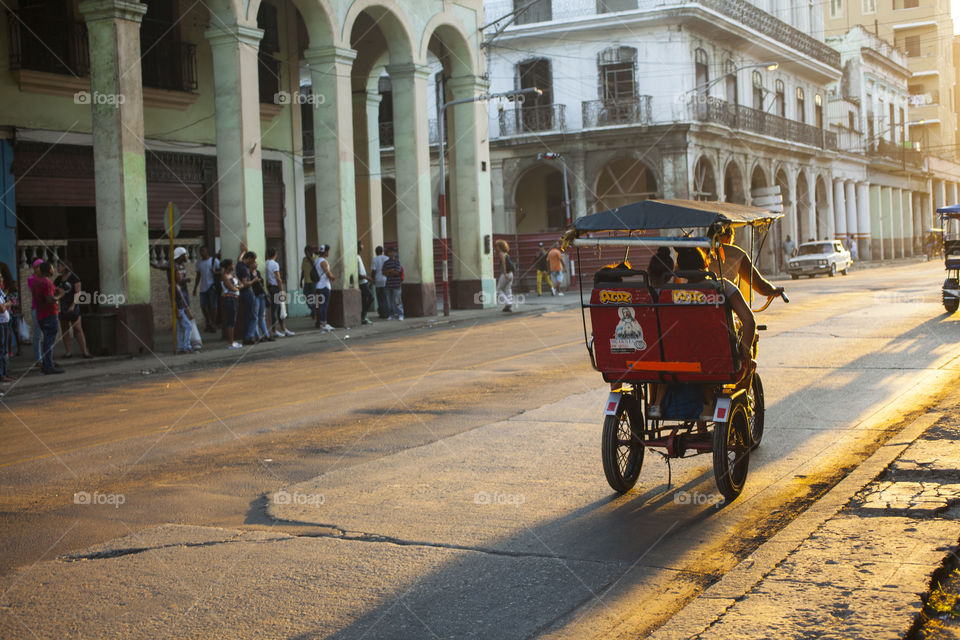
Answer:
[(446, 484)]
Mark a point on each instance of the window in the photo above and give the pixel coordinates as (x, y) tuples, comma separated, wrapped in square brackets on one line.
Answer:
[(911, 46), (536, 112), (537, 11), (733, 93), (702, 70), (801, 105), (818, 108), (609, 6), (618, 66), (852, 120), (869, 6), (757, 91), (836, 8), (781, 100), (893, 123)]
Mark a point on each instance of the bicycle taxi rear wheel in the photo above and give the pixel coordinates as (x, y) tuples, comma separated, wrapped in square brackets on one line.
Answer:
[(755, 398), (731, 451), (622, 446)]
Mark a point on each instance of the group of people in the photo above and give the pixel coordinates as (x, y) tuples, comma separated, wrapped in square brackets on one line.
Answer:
[(382, 284), (56, 296), (549, 266)]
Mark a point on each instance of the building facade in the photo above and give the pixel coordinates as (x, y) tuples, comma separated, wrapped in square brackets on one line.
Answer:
[(112, 109)]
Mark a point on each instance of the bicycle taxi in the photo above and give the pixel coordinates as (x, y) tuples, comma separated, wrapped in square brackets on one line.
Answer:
[(676, 344), (949, 222)]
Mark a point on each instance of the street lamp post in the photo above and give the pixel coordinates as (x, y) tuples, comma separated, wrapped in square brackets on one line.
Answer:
[(441, 108), (566, 190)]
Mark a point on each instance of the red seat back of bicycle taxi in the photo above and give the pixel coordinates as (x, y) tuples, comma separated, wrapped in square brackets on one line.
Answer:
[(624, 331), (695, 325)]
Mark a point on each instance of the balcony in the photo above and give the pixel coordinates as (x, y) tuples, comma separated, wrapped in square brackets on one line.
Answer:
[(604, 113), (533, 119), (755, 121), (849, 140), (169, 64), (886, 150), (49, 45)]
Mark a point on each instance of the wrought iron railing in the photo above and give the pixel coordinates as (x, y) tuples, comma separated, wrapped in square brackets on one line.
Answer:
[(887, 150), (746, 119), (530, 119), (169, 64), (48, 44), (602, 113)]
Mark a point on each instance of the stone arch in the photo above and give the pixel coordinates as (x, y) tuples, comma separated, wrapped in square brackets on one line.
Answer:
[(622, 181), (388, 18), (733, 183), (803, 207), (451, 33), (704, 185)]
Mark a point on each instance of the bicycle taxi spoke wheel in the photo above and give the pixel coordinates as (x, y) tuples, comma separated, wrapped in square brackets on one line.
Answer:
[(731, 452), (756, 404), (623, 446)]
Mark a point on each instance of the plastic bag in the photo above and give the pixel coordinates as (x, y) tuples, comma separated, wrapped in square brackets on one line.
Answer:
[(196, 342), (23, 331)]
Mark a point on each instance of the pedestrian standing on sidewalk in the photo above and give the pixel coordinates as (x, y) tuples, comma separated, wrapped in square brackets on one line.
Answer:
[(393, 271), (70, 310), (380, 282), (322, 267), (184, 323), (37, 333), (789, 249), (505, 281), (543, 269), (555, 262), (248, 301), (229, 303), (308, 281), (207, 283), (366, 296), (277, 296), (47, 297), (6, 323), (260, 291), (10, 290)]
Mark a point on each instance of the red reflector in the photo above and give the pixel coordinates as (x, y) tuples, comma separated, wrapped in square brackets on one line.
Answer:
[(611, 406), (721, 413)]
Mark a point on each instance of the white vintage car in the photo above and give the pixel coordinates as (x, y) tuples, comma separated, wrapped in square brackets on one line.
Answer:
[(827, 256)]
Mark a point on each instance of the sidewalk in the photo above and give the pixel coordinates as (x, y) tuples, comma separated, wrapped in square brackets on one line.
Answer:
[(28, 378), (860, 562)]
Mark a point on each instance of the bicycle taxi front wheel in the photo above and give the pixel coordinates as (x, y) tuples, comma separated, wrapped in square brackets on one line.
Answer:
[(622, 445), (731, 451)]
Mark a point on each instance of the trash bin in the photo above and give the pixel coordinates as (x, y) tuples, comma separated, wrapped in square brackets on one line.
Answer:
[(101, 332)]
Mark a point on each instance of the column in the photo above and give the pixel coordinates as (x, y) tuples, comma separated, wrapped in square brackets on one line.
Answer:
[(939, 194), (414, 212), (336, 194), (811, 222), (886, 215), (896, 221), (864, 234), (906, 220), (919, 230), (577, 175), (120, 166), (839, 211), (850, 193), (239, 167), (366, 144), (876, 223)]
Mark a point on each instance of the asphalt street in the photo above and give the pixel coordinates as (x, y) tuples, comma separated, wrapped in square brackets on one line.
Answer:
[(437, 484)]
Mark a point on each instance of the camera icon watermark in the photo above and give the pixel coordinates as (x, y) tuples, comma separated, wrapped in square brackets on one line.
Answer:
[(86, 97), (96, 297), (285, 98), (888, 297), (482, 299), (299, 297), (97, 498), (697, 498), (297, 498)]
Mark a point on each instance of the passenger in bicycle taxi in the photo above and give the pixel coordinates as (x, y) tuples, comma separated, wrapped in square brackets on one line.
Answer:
[(692, 260), (737, 266), (660, 270)]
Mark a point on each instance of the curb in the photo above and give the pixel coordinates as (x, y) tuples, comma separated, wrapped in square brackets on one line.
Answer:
[(710, 605)]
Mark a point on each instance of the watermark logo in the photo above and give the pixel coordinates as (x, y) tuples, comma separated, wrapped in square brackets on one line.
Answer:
[(298, 297), (480, 298), (887, 297), (96, 297), (297, 498), (86, 97), (497, 498), (85, 497), (285, 98), (697, 498)]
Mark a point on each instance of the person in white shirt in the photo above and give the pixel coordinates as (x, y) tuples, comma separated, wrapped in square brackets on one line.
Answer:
[(276, 295), (366, 296), (380, 282), (322, 290), (207, 277)]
